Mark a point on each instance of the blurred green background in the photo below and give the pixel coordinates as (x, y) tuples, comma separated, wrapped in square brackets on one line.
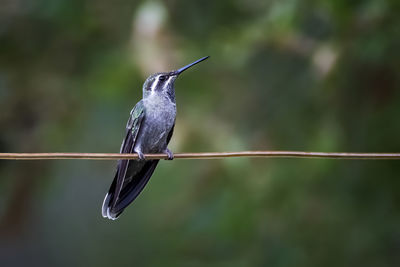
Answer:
[(283, 75)]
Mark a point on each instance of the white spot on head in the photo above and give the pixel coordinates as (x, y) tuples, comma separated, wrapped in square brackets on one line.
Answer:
[(154, 85), (168, 82)]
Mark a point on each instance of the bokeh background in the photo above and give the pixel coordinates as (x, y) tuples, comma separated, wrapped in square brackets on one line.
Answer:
[(283, 75)]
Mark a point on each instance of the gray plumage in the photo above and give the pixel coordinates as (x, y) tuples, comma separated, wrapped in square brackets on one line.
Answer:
[(149, 130)]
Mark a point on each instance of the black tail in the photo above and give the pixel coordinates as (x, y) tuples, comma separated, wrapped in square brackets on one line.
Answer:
[(137, 176)]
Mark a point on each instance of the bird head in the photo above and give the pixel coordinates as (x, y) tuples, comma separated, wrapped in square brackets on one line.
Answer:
[(163, 82)]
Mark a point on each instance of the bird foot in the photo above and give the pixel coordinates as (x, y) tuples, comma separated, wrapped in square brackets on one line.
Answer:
[(170, 154), (140, 155)]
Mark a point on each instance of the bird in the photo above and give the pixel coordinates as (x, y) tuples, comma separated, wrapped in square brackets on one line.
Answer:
[(149, 129)]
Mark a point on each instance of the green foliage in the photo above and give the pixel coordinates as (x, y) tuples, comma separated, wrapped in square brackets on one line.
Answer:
[(284, 75)]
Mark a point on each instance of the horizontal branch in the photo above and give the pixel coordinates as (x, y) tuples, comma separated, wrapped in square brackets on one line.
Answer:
[(207, 155)]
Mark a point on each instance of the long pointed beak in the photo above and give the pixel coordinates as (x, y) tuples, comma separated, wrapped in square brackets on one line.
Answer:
[(177, 72)]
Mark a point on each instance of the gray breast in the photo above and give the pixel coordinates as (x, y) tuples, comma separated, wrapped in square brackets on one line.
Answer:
[(159, 119)]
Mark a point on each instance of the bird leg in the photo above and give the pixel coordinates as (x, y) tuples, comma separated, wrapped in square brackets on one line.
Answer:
[(140, 154), (169, 153)]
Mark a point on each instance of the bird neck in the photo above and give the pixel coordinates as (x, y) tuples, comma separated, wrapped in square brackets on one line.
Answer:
[(158, 99)]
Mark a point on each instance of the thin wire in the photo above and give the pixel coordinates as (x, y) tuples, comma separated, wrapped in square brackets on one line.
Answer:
[(206, 155)]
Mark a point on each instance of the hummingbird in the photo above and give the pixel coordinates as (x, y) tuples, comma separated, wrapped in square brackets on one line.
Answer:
[(148, 130)]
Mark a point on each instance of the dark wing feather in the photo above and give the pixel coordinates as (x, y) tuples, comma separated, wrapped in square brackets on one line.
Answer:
[(170, 134), (132, 175), (132, 130), (134, 186), (136, 177)]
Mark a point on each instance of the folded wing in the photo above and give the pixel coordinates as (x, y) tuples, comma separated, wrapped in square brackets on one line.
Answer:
[(131, 175)]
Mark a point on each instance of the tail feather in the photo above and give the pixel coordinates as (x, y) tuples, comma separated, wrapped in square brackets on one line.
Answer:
[(130, 190), (105, 211)]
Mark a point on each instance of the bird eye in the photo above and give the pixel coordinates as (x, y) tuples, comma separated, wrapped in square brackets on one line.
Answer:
[(162, 78)]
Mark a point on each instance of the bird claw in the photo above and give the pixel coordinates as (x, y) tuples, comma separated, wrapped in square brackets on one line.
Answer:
[(140, 155), (170, 154)]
